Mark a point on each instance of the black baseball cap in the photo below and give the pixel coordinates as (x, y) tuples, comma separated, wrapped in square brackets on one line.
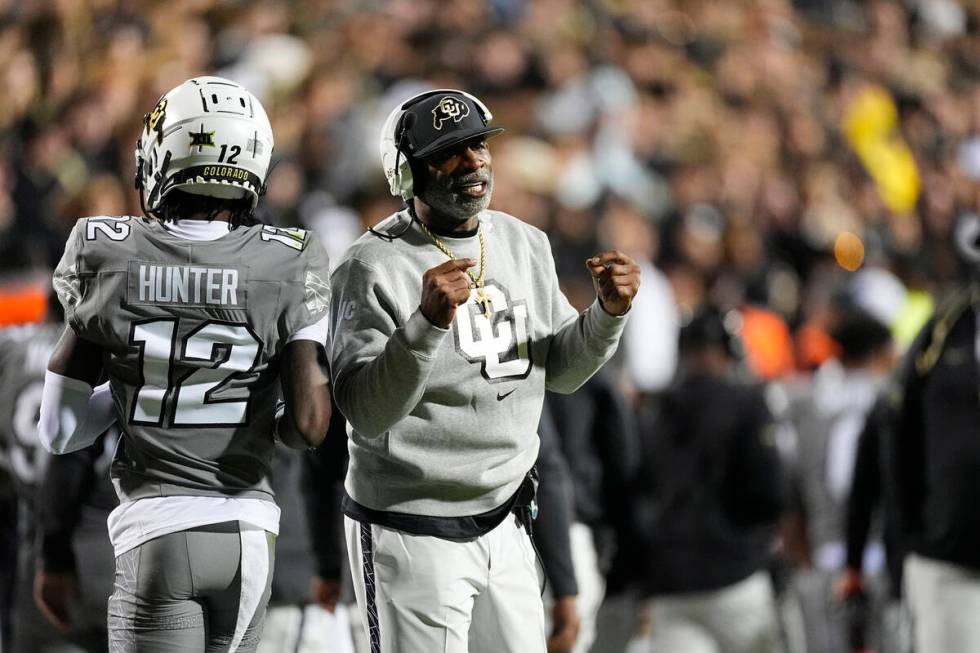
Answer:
[(440, 120)]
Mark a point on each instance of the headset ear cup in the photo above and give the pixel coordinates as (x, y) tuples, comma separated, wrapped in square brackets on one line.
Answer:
[(406, 181)]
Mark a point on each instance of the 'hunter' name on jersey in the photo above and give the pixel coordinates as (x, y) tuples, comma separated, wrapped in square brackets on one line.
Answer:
[(188, 285)]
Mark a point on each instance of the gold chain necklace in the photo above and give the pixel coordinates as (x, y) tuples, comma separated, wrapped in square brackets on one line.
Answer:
[(482, 297)]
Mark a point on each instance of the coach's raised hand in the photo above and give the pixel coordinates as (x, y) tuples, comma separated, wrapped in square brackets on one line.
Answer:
[(616, 278), (445, 287)]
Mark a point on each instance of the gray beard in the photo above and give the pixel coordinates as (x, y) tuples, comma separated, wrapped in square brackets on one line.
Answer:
[(455, 206)]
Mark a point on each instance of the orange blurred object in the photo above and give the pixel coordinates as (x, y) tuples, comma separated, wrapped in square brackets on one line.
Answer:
[(768, 344), (814, 346), (849, 251), (22, 303)]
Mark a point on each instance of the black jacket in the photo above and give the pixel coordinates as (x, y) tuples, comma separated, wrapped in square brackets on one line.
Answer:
[(322, 492), (600, 441), (865, 500), (934, 454), (709, 489), (551, 529)]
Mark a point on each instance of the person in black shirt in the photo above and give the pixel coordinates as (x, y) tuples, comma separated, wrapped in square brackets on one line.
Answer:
[(934, 468), (709, 493), (600, 442)]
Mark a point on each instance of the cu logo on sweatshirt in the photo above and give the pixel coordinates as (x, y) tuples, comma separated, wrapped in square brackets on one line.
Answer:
[(498, 343)]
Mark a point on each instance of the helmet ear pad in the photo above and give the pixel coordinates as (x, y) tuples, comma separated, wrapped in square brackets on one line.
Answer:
[(406, 172), (416, 174)]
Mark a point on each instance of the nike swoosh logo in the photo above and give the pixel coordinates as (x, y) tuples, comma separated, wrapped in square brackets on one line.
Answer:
[(501, 397)]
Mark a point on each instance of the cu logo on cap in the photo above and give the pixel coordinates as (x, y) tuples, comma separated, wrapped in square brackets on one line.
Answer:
[(500, 344), (449, 108)]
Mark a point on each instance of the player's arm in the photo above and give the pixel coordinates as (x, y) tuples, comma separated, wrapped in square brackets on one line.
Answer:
[(66, 481), (74, 412), (306, 391)]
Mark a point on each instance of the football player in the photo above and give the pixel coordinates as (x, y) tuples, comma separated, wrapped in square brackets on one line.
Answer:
[(195, 315), (24, 353)]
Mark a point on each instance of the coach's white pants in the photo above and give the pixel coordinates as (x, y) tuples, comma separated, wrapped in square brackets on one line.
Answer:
[(421, 594), (944, 602)]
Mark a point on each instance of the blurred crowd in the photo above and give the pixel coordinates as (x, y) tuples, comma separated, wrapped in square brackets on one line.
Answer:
[(776, 159), (724, 142)]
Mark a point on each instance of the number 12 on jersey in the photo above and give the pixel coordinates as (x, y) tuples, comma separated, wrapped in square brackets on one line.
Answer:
[(215, 352)]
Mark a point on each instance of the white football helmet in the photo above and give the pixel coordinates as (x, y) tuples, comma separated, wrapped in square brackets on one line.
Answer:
[(394, 160), (208, 136), (967, 237)]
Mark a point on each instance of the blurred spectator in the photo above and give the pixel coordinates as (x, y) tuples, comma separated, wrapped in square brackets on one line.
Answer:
[(649, 350), (866, 508), (63, 507), (934, 471), (599, 440), (73, 573), (710, 491), (743, 135), (828, 418), (322, 488), (300, 617), (553, 539)]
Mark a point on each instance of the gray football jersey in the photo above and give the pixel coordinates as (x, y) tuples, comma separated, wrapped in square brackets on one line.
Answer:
[(193, 332), (24, 354), (828, 420)]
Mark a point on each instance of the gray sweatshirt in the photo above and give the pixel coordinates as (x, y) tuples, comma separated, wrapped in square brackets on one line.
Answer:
[(443, 422)]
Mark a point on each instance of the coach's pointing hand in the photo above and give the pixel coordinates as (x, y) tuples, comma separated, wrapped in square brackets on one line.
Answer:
[(445, 287), (616, 278)]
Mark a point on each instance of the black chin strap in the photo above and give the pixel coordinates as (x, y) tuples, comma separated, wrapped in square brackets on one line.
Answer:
[(392, 236), (160, 176)]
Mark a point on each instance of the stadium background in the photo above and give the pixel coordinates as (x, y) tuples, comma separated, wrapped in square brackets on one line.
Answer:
[(765, 155)]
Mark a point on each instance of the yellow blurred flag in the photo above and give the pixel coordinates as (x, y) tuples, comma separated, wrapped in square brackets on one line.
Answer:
[(870, 125)]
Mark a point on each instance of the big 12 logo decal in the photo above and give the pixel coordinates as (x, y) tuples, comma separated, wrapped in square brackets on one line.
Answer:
[(499, 343)]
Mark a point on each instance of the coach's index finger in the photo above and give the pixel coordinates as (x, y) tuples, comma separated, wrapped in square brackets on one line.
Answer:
[(459, 264), (600, 261)]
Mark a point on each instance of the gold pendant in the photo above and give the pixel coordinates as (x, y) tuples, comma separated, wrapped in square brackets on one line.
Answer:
[(484, 300)]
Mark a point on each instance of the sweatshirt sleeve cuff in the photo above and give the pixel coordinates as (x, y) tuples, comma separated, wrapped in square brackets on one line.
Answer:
[(603, 323), (422, 336)]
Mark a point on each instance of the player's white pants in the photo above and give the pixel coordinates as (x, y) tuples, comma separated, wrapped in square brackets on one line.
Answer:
[(422, 594)]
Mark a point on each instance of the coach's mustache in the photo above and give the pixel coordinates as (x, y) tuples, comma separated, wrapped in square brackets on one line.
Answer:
[(473, 178)]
